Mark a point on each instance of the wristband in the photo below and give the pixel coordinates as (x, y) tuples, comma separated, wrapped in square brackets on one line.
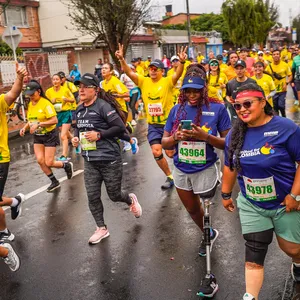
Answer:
[(226, 196)]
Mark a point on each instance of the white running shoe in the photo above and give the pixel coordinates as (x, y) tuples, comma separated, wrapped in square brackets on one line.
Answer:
[(12, 259)]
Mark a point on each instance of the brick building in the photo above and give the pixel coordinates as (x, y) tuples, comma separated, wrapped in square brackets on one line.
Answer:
[(180, 18)]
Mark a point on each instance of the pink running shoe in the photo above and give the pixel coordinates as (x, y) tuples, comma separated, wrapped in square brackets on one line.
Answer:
[(135, 207), (100, 233)]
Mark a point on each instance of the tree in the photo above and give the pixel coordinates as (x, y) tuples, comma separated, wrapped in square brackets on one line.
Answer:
[(296, 24), (113, 21), (6, 50), (249, 21)]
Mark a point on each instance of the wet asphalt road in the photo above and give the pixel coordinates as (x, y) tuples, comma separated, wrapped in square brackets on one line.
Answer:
[(151, 258)]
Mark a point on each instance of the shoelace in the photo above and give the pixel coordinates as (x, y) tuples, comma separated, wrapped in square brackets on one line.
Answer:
[(10, 260)]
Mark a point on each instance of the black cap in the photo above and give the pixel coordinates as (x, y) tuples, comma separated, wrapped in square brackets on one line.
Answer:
[(219, 57), (244, 49), (31, 88), (134, 60), (204, 61), (61, 74), (88, 79), (240, 63), (157, 63)]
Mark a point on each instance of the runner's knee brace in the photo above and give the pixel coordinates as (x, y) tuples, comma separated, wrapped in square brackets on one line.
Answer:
[(159, 157), (257, 246)]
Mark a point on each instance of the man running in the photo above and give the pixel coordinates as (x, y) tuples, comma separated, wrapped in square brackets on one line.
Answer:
[(157, 96)]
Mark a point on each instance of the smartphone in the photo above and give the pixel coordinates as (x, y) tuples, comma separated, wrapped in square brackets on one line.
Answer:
[(186, 124)]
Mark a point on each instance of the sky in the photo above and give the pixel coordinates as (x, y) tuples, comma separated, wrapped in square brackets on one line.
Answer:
[(197, 6)]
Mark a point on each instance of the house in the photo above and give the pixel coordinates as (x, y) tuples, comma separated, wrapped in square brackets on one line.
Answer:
[(180, 18), (24, 15)]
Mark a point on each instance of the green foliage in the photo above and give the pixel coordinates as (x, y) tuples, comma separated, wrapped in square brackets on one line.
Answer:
[(249, 21), (6, 50), (175, 26), (296, 24)]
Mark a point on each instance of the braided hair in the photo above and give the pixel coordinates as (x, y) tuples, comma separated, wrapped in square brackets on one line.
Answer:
[(240, 128), (194, 70)]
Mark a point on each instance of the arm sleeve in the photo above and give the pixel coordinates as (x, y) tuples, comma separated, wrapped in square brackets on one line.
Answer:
[(293, 145), (116, 129)]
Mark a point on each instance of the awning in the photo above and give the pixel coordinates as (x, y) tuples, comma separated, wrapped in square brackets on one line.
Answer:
[(175, 39), (199, 40)]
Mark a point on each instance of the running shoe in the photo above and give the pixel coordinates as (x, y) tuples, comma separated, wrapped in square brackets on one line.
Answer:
[(12, 259), (295, 271), (248, 296), (127, 146), (62, 158), (78, 149), (133, 122), (100, 234), (6, 236), (17, 210), (213, 237), (168, 184), (209, 286), (53, 186), (129, 127), (135, 207), (135, 146), (68, 166)]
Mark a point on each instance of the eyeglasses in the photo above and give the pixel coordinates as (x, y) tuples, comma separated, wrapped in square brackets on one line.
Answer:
[(246, 104), (82, 86), (214, 64), (175, 60), (155, 69)]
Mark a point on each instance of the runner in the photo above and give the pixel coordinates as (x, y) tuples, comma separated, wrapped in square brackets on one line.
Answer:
[(265, 81), (41, 124), (223, 66), (280, 71), (260, 58), (75, 73), (195, 173), (166, 63), (63, 100), (230, 71), (137, 64), (296, 75), (101, 151), (15, 203), (113, 85), (199, 57), (146, 65), (157, 97), (262, 151), (244, 55), (217, 81)]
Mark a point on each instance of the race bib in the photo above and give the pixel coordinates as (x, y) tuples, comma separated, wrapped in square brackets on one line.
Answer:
[(192, 152), (155, 109), (85, 144), (58, 107), (261, 190)]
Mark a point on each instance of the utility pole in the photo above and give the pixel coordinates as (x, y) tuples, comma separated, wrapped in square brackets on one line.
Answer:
[(188, 26)]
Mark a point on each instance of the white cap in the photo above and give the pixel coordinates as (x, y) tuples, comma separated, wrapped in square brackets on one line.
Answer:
[(174, 57), (260, 52)]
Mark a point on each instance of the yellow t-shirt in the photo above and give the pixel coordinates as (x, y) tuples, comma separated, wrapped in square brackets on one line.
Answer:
[(223, 67), (57, 97), (268, 58), (214, 89), (41, 112), (176, 88), (199, 58), (186, 64), (4, 150), (146, 66), (284, 54), (281, 69), (140, 70), (73, 88), (157, 97), (230, 73), (115, 86), (267, 84)]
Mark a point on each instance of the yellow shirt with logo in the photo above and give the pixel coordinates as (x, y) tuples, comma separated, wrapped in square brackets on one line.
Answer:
[(115, 86), (267, 84), (4, 150), (42, 111), (214, 89), (281, 69), (73, 88), (58, 97), (157, 97), (177, 86)]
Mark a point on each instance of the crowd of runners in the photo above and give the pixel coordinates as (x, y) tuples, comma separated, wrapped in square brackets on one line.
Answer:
[(235, 102)]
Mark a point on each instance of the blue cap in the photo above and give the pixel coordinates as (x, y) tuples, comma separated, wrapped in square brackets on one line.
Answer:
[(204, 61), (157, 63), (193, 82)]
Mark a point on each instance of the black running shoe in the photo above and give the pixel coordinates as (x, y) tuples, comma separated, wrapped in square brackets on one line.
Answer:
[(68, 166), (53, 186), (6, 236), (295, 271), (168, 184), (202, 247), (17, 210), (208, 287)]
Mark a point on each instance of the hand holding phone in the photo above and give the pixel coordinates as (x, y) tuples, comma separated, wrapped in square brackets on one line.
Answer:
[(186, 124)]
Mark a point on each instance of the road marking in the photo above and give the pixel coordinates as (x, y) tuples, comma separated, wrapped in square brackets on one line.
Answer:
[(44, 188)]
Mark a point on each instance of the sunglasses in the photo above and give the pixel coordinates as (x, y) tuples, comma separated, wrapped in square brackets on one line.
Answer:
[(214, 64), (175, 60), (246, 104), (155, 69)]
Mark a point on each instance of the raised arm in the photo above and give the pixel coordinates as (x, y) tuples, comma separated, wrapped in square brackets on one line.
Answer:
[(120, 55), (182, 57)]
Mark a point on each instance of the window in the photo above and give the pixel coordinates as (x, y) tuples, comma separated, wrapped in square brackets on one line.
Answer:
[(15, 15)]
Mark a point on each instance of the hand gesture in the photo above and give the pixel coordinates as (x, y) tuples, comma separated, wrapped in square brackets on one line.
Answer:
[(75, 141), (199, 133), (21, 71), (22, 131), (120, 53), (228, 204), (290, 204), (182, 54)]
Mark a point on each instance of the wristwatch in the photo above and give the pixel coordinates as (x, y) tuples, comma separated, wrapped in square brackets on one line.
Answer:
[(296, 197)]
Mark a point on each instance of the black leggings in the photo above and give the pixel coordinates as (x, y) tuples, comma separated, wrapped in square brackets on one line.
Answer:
[(111, 172), (3, 176), (132, 103)]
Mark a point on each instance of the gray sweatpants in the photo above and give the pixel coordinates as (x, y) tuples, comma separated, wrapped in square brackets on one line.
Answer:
[(95, 172)]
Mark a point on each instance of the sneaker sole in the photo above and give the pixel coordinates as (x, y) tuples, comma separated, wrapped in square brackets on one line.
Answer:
[(10, 248), (133, 196), (53, 189), (72, 168), (98, 241), (10, 238)]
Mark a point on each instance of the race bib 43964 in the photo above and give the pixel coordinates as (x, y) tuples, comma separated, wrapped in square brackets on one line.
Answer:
[(192, 152)]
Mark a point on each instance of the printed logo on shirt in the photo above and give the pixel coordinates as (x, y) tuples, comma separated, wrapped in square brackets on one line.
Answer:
[(110, 113), (78, 115), (92, 113), (271, 133), (206, 128), (208, 113), (267, 149)]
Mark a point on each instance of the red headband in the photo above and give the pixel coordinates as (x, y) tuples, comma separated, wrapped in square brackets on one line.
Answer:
[(243, 94)]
